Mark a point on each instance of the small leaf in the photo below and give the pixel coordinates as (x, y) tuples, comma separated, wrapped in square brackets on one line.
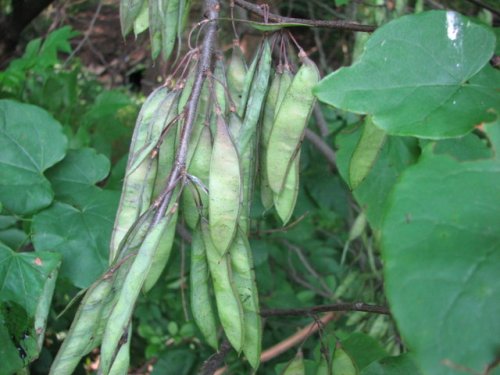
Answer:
[(31, 141), (440, 243), (342, 363), (363, 349), (434, 82), (400, 365), (366, 152), (296, 367), (23, 275)]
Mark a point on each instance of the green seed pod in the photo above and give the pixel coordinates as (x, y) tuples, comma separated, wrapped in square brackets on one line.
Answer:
[(285, 201), (236, 73), (194, 198), (201, 305), (247, 140), (229, 306), (155, 26), (162, 254), (366, 152), (279, 85), (244, 280), (122, 361), (129, 11), (121, 313), (82, 337), (141, 23), (137, 188), (170, 19), (224, 188), (247, 84), (290, 124), (220, 85)]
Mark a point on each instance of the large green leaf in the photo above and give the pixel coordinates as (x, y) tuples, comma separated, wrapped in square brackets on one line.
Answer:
[(424, 75), (80, 232), (77, 173), (27, 283), (31, 141), (441, 252)]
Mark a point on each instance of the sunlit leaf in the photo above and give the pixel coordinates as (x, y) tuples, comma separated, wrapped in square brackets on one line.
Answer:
[(424, 75)]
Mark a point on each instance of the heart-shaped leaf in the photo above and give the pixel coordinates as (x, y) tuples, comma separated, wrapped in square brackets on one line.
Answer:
[(31, 141), (78, 172), (80, 232), (440, 245), (424, 75)]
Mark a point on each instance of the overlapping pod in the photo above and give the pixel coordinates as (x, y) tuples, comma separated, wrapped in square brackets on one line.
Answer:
[(129, 11), (244, 280), (83, 335), (224, 188), (162, 254), (170, 21), (137, 188), (280, 83), (155, 26), (290, 123), (195, 195), (247, 137), (201, 305), (247, 84), (236, 72), (119, 319), (229, 307), (285, 201), (122, 361)]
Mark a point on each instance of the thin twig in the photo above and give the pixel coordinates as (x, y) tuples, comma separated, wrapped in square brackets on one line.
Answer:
[(86, 35), (207, 54), (308, 266), (335, 24), (320, 121), (356, 306), (213, 363), (291, 341), (481, 4), (322, 147)]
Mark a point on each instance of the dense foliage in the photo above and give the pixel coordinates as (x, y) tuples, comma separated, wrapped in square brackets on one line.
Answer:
[(407, 217)]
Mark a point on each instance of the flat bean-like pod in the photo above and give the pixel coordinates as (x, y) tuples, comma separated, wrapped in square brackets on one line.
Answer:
[(199, 288), (224, 188), (290, 123), (227, 299), (244, 280)]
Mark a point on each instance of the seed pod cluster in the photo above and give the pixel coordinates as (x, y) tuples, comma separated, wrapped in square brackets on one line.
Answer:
[(164, 18), (248, 127)]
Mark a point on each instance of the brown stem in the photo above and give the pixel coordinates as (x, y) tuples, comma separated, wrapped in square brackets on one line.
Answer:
[(335, 24), (207, 54), (212, 364), (322, 147), (484, 5), (356, 306), (291, 341)]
